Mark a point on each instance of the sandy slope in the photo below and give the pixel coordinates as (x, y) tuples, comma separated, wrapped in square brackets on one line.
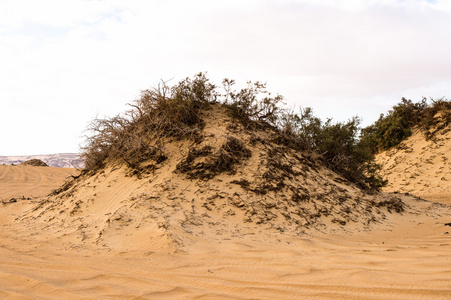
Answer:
[(420, 167), (407, 257), (273, 189), (29, 181)]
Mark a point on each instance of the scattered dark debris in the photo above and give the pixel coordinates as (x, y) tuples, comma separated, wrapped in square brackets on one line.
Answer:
[(245, 184), (145, 161), (12, 200), (392, 204), (232, 152), (341, 222)]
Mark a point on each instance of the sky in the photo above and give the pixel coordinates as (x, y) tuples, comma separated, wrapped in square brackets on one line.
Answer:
[(63, 63)]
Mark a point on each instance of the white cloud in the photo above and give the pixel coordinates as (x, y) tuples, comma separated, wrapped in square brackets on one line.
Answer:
[(55, 13), (70, 60)]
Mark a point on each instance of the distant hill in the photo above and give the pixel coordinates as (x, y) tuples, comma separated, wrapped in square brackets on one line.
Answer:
[(59, 160)]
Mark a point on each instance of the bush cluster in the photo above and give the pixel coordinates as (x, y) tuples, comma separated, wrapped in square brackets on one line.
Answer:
[(162, 111), (252, 105), (175, 112), (391, 129), (338, 143)]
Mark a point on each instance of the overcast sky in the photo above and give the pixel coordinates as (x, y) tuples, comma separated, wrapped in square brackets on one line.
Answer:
[(63, 62)]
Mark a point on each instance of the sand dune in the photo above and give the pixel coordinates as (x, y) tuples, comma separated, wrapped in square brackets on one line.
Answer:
[(29, 181), (278, 225)]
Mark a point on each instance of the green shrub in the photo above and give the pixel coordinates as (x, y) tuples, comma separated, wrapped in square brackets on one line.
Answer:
[(253, 103), (301, 129), (340, 147), (176, 112), (391, 129)]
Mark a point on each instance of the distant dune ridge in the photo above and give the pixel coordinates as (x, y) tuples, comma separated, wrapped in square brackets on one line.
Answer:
[(60, 160)]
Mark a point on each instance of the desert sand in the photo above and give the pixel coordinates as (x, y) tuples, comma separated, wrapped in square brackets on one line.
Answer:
[(407, 257), (278, 226), (27, 181)]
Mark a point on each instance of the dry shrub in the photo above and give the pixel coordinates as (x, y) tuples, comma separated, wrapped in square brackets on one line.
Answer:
[(253, 105), (391, 204), (176, 111), (279, 170), (160, 112), (232, 151), (203, 163), (190, 166), (35, 162)]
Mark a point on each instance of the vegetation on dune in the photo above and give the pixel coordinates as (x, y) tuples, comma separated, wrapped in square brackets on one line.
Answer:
[(163, 111), (176, 111), (394, 127), (338, 143), (232, 152), (253, 105)]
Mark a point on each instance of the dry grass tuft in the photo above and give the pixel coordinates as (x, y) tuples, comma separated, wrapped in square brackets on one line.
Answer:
[(35, 162), (204, 163)]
